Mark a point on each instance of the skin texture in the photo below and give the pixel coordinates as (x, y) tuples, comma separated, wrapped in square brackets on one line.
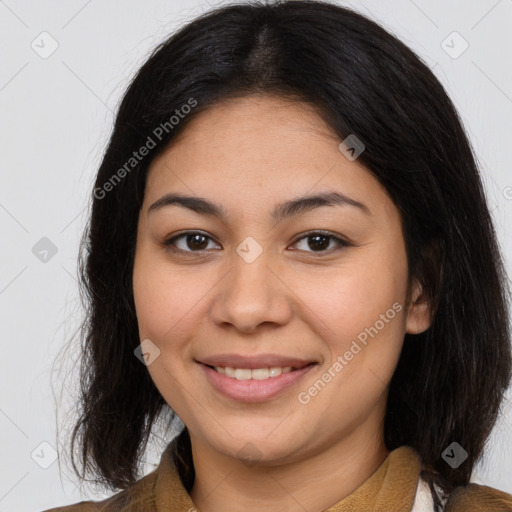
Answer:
[(248, 155)]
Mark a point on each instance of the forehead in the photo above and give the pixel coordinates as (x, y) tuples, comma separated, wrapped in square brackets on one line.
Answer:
[(255, 150)]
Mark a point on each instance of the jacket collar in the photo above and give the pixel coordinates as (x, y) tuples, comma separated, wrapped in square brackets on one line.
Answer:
[(391, 487)]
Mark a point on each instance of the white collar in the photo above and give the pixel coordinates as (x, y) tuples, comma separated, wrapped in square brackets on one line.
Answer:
[(423, 501)]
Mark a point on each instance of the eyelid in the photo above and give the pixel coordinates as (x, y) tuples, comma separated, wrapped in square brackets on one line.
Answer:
[(329, 234), (168, 242), (342, 242)]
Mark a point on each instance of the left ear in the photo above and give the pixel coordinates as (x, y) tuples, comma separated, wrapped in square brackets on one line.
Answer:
[(419, 313)]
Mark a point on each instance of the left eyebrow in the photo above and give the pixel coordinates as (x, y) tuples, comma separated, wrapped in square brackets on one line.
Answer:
[(293, 207), (304, 204)]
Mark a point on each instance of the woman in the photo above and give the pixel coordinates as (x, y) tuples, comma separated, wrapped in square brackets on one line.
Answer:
[(290, 250)]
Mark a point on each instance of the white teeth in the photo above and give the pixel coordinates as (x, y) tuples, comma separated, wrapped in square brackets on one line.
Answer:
[(260, 373), (275, 371), (230, 372), (242, 373), (256, 373)]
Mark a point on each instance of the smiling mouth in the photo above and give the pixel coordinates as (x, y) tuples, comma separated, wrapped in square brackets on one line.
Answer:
[(255, 373), (254, 380)]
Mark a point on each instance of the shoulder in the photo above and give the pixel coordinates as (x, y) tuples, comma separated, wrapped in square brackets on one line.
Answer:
[(83, 506), (135, 498), (476, 498)]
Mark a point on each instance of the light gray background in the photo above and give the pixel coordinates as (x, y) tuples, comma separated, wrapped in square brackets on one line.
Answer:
[(56, 115)]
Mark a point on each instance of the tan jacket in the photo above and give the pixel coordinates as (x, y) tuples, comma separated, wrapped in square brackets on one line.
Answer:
[(392, 488)]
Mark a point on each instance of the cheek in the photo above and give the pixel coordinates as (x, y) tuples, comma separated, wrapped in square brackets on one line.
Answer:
[(350, 300), (166, 299), (164, 304), (359, 309)]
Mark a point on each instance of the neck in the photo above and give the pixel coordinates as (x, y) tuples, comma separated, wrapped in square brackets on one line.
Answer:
[(315, 482)]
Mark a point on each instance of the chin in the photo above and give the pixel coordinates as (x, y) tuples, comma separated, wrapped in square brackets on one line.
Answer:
[(258, 449)]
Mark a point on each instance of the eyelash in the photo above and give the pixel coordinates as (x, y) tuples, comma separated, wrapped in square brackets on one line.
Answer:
[(170, 243)]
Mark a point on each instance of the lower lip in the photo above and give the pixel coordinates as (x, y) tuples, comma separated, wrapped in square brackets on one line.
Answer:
[(253, 390)]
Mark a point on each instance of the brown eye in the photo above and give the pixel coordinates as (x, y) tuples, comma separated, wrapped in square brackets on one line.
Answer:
[(319, 242), (196, 242), (190, 242)]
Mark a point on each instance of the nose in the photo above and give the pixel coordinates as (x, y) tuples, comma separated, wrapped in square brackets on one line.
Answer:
[(252, 295)]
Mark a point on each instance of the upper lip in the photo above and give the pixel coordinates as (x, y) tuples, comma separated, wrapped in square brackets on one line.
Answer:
[(254, 361)]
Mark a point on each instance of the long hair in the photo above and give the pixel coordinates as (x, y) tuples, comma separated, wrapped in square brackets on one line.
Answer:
[(362, 80)]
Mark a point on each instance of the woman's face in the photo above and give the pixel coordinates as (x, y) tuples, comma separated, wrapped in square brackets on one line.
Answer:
[(261, 283)]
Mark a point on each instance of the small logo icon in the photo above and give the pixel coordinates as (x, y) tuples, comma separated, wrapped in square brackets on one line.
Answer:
[(454, 455), (44, 455), (44, 250), (44, 45), (249, 249), (249, 454), (352, 147), (454, 45), (147, 352)]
